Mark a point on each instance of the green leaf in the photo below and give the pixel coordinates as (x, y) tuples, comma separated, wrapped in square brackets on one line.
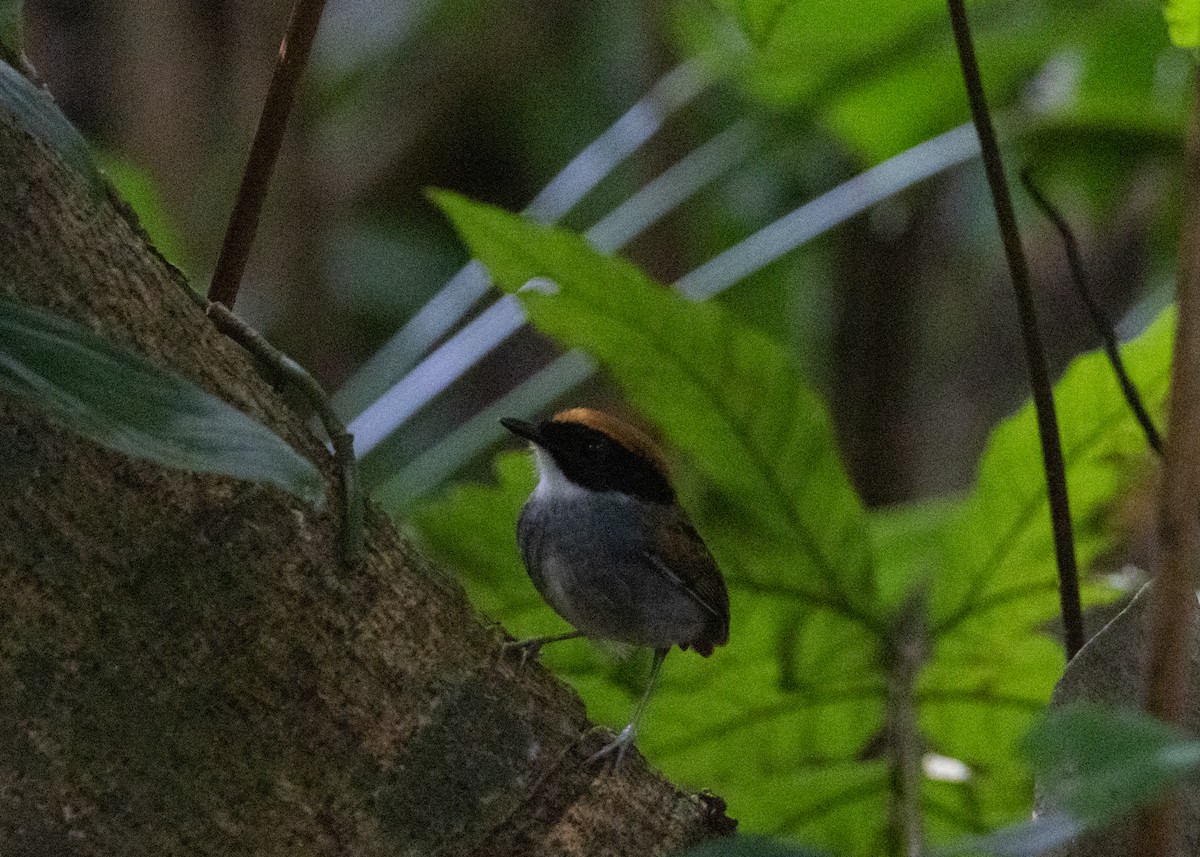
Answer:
[(498, 583), (120, 400), (722, 393), (137, 187), (1002, 537), (993, 669), (800, 680), (1098, 763), (1183, 22), (879, 72), (799, 694)]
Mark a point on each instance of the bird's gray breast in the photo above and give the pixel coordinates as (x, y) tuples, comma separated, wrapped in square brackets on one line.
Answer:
[(589, 557)]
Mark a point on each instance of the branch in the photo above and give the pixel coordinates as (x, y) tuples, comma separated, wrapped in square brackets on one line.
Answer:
[(1179, 525), (243, 223), (1100, 320), (1035, 359)]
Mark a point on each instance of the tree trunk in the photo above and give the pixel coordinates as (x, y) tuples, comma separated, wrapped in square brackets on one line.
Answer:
[(186, 667)]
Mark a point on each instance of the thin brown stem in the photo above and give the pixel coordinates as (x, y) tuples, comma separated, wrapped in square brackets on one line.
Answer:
[(243, 222), (1179, 526), (1100, 320), (1039, 376)]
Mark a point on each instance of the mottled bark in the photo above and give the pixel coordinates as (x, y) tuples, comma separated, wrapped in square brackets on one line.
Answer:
[(185, 667)]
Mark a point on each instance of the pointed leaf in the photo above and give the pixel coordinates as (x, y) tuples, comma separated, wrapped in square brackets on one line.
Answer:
[(721, 392), (798, 695), (122, 401), (1003, 536)]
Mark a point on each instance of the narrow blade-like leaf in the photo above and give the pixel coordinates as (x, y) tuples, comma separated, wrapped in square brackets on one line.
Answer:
[(122, 401)]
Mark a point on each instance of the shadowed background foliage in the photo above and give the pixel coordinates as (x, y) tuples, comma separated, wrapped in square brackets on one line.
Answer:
[(902, 313), (830, 409)]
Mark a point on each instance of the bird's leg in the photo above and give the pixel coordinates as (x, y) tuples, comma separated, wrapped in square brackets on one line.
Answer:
[(531, 647), (626, 736)]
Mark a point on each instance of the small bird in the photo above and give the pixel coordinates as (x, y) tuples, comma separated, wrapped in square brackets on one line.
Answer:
[(610, 549)]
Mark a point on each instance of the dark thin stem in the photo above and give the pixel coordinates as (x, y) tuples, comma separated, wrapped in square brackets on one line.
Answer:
[(1039, 376), (243, 223), (1168, 680), (341, 440), (1100, 320)]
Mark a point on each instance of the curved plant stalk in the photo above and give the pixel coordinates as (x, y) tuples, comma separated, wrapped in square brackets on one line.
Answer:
[(339, 439), (1100, 320)]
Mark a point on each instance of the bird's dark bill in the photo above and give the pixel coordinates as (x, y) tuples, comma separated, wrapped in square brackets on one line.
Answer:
[(520, 428)]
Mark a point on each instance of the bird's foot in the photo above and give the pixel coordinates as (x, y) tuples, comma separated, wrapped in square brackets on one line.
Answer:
[(529, 649), (616, 746)]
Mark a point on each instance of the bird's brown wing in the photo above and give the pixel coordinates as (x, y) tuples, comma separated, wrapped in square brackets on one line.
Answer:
[(678, 552)]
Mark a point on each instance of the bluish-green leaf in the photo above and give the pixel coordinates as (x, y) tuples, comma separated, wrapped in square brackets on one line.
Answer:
[(1026, 839), (34, 111), (1098, 763), (120, 400)]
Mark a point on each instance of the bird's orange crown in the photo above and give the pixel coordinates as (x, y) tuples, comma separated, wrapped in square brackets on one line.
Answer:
[(630, 437)]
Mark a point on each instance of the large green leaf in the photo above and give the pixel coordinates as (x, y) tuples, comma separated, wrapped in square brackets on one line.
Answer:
[(800, 693), (120, 400), (1001, 538), (997, 583), (723, 394)]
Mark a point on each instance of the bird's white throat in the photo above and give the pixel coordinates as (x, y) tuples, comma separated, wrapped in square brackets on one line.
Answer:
[(552, 482)]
